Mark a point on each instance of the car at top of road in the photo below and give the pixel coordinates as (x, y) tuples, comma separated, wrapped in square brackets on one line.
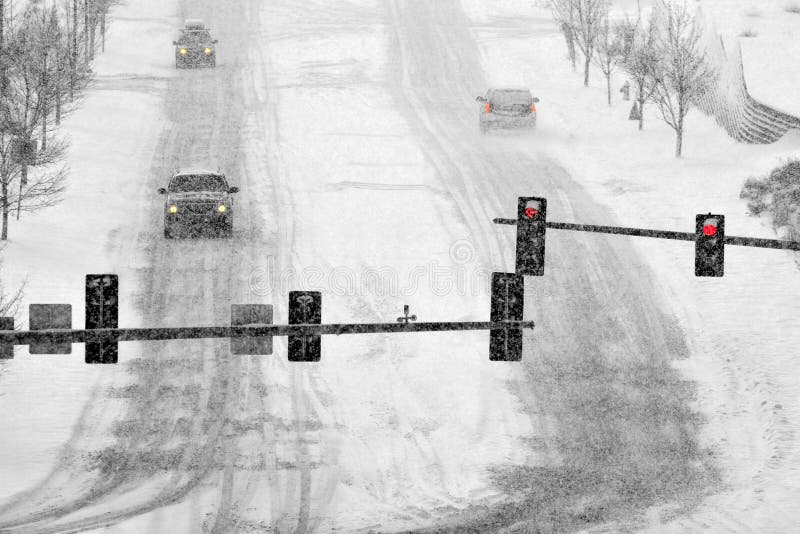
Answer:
[(195, 46), (508, 107), (197, 200)]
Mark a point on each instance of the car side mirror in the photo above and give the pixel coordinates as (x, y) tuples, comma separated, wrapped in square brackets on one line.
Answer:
[(535, 100), (175, 43), (215, 41), (162, 190), (233, 190)]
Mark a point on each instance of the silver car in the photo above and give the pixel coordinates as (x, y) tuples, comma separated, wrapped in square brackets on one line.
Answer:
[(507, 108)]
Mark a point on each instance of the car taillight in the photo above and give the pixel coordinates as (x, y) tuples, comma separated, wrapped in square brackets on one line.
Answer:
[(488, 108), (533, 108)]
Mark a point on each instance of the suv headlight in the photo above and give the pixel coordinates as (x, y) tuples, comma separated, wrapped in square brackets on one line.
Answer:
[(222, 208), (172, 209)]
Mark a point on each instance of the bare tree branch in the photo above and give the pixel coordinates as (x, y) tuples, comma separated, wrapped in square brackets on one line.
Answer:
[(681, 73), (583, 17), (609, 50)]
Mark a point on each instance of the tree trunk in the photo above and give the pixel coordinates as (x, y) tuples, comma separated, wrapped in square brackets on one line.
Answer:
[(640, 99), (641, 115), (45, 103), (4, 201), (58, 103), (103, 31), (608, 87), (567, 31), (22, 181), (74, 55), (2, 47), (86, 33), (92, 35), (679, 132), (586, 69)]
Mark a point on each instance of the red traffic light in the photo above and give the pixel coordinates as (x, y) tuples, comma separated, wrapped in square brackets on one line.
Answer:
[(709, 230), (530, 213)]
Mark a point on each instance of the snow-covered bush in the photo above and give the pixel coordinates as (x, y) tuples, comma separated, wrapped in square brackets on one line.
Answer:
[(778, 194), (793, 7)]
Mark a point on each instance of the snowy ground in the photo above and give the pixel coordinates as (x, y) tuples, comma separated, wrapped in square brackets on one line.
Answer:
[(358, 117), (741, 329)]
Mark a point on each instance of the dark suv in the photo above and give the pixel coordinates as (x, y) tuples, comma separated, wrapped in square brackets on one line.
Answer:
[(195, 47), (198, 200), (507, 108)]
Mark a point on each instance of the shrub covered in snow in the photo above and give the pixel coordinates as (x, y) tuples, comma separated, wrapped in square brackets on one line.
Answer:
[(793, 7), (778, 194)]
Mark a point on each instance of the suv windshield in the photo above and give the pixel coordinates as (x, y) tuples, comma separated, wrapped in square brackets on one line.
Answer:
[(509, 98), (198, 182), (195, 37)]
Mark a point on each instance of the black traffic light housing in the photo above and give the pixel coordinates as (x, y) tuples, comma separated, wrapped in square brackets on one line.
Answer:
[(709, 251), (305, 307), (531, 226), (102, 311), (508, 292)]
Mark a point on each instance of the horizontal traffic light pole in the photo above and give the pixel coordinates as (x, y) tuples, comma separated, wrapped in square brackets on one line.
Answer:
[(201, 332), (665, 234)]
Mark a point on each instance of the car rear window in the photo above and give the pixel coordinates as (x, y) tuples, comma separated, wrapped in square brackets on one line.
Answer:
[(507, 98), (197, 182)]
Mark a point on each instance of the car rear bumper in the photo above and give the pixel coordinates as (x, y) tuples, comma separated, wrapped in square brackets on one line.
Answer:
[(491, 120)]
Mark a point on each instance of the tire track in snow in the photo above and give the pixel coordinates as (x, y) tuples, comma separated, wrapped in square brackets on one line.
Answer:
[(439, 75), (198, 142)]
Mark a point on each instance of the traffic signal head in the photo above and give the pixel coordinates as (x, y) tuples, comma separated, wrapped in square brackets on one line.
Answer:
[(531, 225), (508, 292), (709, 255), (102, 311), (305, 307)]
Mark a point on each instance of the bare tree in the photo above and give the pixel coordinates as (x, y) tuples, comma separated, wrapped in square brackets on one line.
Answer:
[(566, 29), (25, 105), (10, 300), (681, 73), (583, 17), (639, 60), (609, 51), (42, 189)]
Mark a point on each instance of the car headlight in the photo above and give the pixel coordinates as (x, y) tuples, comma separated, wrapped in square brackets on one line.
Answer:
[(207, 51), (222, 208), (183, 51), (173, 209)]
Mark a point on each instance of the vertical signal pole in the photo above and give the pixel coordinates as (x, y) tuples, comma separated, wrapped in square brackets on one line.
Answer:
[(709, 250), (531, 226), (102, 311), (507, 303)]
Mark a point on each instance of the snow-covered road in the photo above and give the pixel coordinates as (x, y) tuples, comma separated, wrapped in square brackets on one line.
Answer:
[(352, 133)]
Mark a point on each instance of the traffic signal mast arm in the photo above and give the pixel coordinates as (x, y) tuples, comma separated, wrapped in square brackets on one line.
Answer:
[(665, 234), (155, 334)]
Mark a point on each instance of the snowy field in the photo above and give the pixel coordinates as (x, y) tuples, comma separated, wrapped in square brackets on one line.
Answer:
[(352, 132)]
